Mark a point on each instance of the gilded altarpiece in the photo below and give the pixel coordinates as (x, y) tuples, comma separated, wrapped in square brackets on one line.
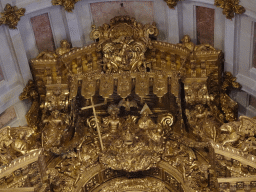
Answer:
[(130, 113)]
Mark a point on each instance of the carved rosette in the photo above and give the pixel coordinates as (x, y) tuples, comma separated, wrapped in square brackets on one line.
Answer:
[(11, 16), (230, 7), (68, 5)]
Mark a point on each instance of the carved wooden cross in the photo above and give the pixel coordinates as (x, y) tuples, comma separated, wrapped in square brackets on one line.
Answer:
[(95, 116)]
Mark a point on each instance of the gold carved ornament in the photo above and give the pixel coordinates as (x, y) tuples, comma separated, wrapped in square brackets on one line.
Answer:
[(230, 7), (113, 109), (124, 44), (11, 16), (68, 5), (172, 3), (145, 184), (30, 92)]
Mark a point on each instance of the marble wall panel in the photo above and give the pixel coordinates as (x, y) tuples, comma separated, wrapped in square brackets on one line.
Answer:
[(252, 101), (102, 12), (254, 47), (43, 32), (205, 25), (7, 116), (1, 74)]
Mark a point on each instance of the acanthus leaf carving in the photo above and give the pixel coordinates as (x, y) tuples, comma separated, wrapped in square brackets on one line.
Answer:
[(11, 16)]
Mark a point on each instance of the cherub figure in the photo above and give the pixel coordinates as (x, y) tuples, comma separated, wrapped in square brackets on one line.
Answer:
[(64, 47), (231, 131), (186, 42), (202, 121)]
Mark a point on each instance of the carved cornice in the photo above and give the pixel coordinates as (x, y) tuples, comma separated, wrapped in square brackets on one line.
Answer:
[(20, 162), (11, 16), (68, 5), (234, 153)]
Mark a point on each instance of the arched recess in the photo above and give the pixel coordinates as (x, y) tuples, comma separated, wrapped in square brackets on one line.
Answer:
[(97, 177)]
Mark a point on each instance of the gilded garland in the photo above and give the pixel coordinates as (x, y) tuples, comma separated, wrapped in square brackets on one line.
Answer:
[(129, 113)]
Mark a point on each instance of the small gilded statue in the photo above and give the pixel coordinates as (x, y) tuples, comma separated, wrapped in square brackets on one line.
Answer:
[(186, 42), (54, 129), (113, 121), (64, 47)]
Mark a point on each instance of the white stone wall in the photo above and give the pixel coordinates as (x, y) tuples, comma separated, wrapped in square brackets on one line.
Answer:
[(18, 46)]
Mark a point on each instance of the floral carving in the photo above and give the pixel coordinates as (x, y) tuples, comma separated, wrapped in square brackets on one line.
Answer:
[(69, 5), (230, 7), (11, 16)]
